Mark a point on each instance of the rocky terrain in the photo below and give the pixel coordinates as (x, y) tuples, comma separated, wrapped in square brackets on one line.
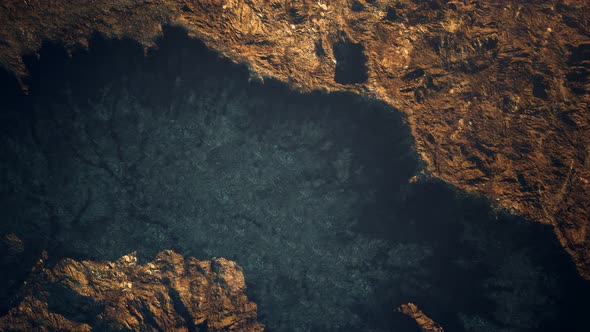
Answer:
[(426, 323), (496, 93), (170, 293), (312, 194), (120, 148)]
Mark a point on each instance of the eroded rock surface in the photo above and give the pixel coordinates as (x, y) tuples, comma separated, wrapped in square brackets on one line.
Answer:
[(426, 323), (496, 92), (171, 293)]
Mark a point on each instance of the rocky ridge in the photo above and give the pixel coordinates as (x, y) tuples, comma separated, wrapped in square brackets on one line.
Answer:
[(426, 323), (171, 293), (496, 93)]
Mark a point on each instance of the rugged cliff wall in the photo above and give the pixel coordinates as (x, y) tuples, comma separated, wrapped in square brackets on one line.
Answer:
[(496, 92), (171, 293)]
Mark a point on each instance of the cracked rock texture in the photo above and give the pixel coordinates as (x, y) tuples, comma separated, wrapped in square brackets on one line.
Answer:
[(171, 293), (426, 323), (496, 93)]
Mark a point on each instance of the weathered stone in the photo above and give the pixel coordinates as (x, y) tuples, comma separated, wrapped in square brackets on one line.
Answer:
[(426, 323), (172, 293)]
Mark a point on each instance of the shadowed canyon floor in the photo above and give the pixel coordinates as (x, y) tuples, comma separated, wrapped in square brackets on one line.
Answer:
[(114, 152)]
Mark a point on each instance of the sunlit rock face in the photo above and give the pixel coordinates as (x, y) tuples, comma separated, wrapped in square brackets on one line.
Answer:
[(171, 293), (114, 152), (424, 322)]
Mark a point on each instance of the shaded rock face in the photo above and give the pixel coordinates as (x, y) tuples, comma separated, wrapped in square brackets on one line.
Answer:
[(495, 92), (170, 293), (16, 260), (312, 194)]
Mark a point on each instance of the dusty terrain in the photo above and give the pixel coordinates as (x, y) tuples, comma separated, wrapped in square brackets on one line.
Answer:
[(171, 293), (496, 93)]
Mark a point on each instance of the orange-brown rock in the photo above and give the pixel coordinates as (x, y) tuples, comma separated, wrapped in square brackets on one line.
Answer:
[(171, 293), (426, 323), (496, 93)]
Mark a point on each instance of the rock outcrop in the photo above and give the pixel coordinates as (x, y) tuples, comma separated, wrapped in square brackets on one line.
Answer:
[(426, 323), (171, 293), (496, 93)]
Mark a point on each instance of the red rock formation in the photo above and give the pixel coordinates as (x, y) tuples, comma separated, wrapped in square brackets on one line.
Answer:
[(171, 293), (496, 93)]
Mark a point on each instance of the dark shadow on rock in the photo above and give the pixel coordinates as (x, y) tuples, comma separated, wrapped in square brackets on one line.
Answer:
[(351, 62), (72, 305)]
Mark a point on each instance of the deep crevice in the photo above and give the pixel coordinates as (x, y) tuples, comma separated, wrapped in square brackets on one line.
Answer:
[(180, 308)]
